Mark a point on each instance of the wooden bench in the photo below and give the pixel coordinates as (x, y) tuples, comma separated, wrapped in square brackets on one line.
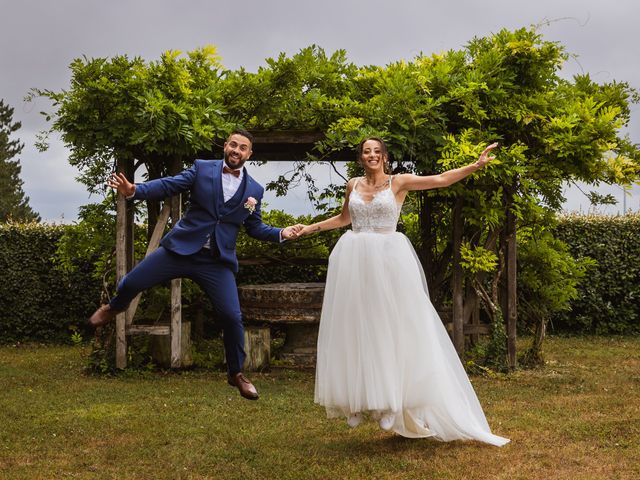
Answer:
[(293, 306)]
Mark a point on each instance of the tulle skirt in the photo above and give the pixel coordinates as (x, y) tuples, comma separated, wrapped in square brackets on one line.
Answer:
[(383, 348)]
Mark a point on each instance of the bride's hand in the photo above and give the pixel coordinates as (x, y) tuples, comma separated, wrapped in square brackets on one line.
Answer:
[(306, 230), (484, 156)]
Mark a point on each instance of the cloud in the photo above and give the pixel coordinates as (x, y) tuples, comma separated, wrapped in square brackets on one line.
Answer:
[(40, 38)]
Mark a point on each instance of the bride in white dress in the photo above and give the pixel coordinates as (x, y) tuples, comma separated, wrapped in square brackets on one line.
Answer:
[(383, 351)]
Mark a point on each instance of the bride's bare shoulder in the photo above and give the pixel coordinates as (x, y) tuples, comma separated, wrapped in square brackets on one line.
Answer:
[(401, 179), (351, 183)]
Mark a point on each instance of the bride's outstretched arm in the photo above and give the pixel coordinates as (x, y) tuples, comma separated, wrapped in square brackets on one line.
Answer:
[(341, 220), (417, 182)]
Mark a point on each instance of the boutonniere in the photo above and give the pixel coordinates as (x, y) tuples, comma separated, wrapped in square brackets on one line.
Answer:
[(250, 205)]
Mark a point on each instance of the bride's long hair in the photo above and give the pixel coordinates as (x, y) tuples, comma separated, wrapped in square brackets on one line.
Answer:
[(383, 147)]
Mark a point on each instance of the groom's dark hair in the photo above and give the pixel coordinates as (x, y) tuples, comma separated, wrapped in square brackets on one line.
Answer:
[(243, 132)]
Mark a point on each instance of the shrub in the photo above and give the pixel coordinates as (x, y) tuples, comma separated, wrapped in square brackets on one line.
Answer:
[(609, 297), (39, 300)]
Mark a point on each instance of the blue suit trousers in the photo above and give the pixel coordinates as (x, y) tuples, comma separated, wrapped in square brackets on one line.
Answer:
[(216, 279)]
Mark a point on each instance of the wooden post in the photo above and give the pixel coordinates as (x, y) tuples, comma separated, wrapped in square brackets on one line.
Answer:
[(511, 313), (129, 171), (257, 341), (503, 290), (472, 313), (176, 284), (176, 320), (121, 271), (457, 278), (161, 345)]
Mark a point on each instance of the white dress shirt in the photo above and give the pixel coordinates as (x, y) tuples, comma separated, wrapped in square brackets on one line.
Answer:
[(231, 183)]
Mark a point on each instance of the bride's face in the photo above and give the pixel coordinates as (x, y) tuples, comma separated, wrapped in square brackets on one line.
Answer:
[(372, 156)]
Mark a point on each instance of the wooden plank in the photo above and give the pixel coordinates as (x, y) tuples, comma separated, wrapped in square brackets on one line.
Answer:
[(469, 329), (479, 329), (148, 330), (154, 242), (457, 279)]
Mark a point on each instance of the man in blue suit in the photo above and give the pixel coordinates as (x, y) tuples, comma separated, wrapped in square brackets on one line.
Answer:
[(202, 245)]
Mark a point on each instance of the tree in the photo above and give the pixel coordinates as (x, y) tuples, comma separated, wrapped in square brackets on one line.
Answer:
[(128, 112), (14, 205)]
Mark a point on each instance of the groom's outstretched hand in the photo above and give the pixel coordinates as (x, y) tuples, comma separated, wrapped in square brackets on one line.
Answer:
[(291, 232), (119, 182)]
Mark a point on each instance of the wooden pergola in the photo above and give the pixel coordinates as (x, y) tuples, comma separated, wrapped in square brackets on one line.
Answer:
[(462, 321)]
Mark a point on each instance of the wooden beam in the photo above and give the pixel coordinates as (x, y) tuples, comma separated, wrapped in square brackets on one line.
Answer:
[(148, 330), (289, 137), (283, 146), (479, 329)]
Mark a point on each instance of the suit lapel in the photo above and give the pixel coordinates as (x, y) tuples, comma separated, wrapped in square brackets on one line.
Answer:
[(218, 195)]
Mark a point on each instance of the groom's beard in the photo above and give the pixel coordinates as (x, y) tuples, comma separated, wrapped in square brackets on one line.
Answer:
[(234, 163)]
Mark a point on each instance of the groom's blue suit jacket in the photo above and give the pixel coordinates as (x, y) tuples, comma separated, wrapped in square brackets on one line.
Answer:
[(208, 214)]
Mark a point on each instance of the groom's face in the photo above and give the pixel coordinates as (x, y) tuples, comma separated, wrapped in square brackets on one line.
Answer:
[(237, 150)]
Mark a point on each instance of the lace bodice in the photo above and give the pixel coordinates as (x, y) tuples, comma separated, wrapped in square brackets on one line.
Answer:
[(380, 215)]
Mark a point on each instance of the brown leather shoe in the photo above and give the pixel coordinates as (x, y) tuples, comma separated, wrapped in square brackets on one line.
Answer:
[(246, 388), (102, 316)]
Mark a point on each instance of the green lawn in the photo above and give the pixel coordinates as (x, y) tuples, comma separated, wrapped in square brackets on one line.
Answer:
[(578, 418)]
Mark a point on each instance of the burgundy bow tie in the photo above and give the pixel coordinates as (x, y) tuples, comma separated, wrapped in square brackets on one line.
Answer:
[(231, 171)]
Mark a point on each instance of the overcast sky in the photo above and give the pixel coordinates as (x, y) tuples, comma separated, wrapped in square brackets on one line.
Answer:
[(40, 38)]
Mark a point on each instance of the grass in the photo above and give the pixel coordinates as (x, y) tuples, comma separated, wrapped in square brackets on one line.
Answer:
[(577, 418)]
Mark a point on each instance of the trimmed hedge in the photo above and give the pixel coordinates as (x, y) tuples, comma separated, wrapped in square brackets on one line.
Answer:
[(39, 301), (609, 300)]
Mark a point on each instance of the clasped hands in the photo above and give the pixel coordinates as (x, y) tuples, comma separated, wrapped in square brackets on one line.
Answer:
[(292, 232)]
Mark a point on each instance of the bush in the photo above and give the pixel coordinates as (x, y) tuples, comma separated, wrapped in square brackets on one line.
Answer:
[(49, 286), (39, 300), (609, 297)]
